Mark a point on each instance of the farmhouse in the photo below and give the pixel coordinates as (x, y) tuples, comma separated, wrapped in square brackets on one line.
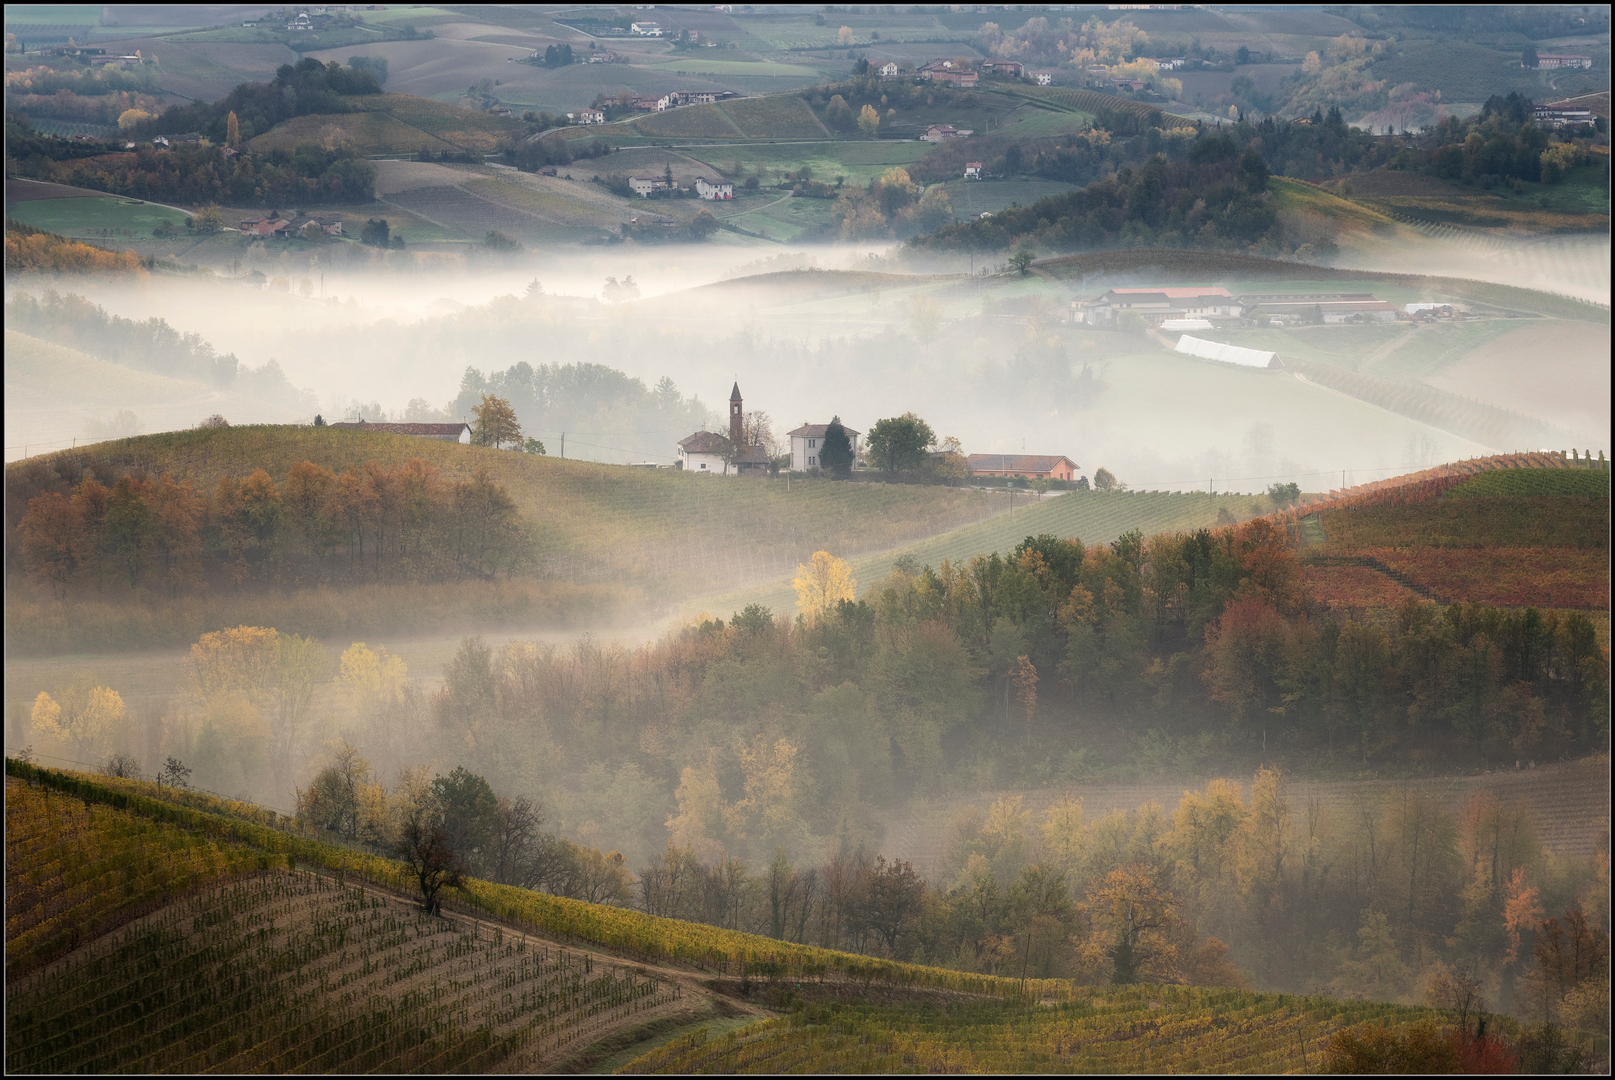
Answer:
[(1031, 466), (1169, 63), (972, 170), (942, 132), (645, 29), (263, 226), (1012, 68), (707, 453), (1044, 78), (948, 71), (806, 442), (587, 116), (330, 223), (1156, 305), (458, 433), (714, 189), (652, 102), (888, 70)]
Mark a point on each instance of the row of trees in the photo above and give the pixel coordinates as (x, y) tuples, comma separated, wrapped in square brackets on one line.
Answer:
[(366, 524), (197, 174), (34, 251)]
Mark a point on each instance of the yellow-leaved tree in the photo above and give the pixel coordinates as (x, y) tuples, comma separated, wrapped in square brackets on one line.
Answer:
[(86, 720), (823, 584), (232, 131)]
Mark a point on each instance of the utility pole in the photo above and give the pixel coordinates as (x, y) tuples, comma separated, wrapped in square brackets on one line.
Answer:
[(563, 444)]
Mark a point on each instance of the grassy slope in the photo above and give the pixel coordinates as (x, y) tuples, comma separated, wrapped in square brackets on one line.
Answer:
[(392, 123), (676, 535), (1093, 517), (216, 937)]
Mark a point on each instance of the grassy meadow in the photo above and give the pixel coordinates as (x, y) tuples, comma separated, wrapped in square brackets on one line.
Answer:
[(105, 218)]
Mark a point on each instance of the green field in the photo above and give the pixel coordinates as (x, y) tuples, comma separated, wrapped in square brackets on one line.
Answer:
[(783, 116), (1589, 483), (858, 162), (1143, 1029), (109, 218)]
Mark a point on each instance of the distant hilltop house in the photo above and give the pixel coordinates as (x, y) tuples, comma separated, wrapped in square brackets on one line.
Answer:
[(972, 170), (806, 442), (943, 132), (644, 185), (714, 189), (645, 29), (652, 102), (1044, 78), (888, 70), (331, 224), (707, 453), (1012, 68), (262, 226), (947, 71), (457, 433), (587, 116), (1550, 63), (1031, 466)]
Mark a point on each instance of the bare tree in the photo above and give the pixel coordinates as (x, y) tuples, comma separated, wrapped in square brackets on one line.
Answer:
[(426, 849)]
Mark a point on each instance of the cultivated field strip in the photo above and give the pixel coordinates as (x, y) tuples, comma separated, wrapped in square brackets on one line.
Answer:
[(294, 972), (1133, 1030)]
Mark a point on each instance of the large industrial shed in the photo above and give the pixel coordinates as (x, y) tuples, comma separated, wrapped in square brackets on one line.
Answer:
[(1228, 354)]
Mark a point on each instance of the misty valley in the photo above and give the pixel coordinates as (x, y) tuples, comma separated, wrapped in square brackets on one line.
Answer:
[(761, 538)]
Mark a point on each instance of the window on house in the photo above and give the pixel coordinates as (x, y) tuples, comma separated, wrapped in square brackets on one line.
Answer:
[(812, 443), (812, 462)]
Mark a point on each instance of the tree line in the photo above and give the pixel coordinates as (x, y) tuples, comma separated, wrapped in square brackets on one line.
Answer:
[(35, 251), (371, 523), (1212, 199), (300, 89)]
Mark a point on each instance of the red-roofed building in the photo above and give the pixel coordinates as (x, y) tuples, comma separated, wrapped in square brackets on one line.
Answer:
[(1031, 466)]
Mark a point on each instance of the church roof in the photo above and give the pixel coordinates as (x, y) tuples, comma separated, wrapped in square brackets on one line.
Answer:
[(734, 395), (704, 442)]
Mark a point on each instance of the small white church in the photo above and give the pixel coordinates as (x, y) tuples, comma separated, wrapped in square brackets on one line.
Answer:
[(706, 453)]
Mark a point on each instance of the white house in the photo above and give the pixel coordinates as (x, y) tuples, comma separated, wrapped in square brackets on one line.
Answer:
[(1044, 78), (972, 170), (714, 189), (806, 441), (645, 29), (587, 116), (888, 70), (703, 454)]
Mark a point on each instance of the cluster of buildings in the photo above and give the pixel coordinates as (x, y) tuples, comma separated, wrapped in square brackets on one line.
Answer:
[(719, 190), (944, 132), (1097, 75), (672, 99), (708, 453), (330, 224), (962, 75), (1203, 307)]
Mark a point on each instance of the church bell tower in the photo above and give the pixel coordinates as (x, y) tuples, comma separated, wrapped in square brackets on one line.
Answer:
[(736, 416)]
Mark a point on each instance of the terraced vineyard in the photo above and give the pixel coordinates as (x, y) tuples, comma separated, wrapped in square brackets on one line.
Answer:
[(1142, 1029), (77, 870), (292, 972)]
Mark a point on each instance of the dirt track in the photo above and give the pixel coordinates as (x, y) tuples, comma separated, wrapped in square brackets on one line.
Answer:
[(1570, 802)]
